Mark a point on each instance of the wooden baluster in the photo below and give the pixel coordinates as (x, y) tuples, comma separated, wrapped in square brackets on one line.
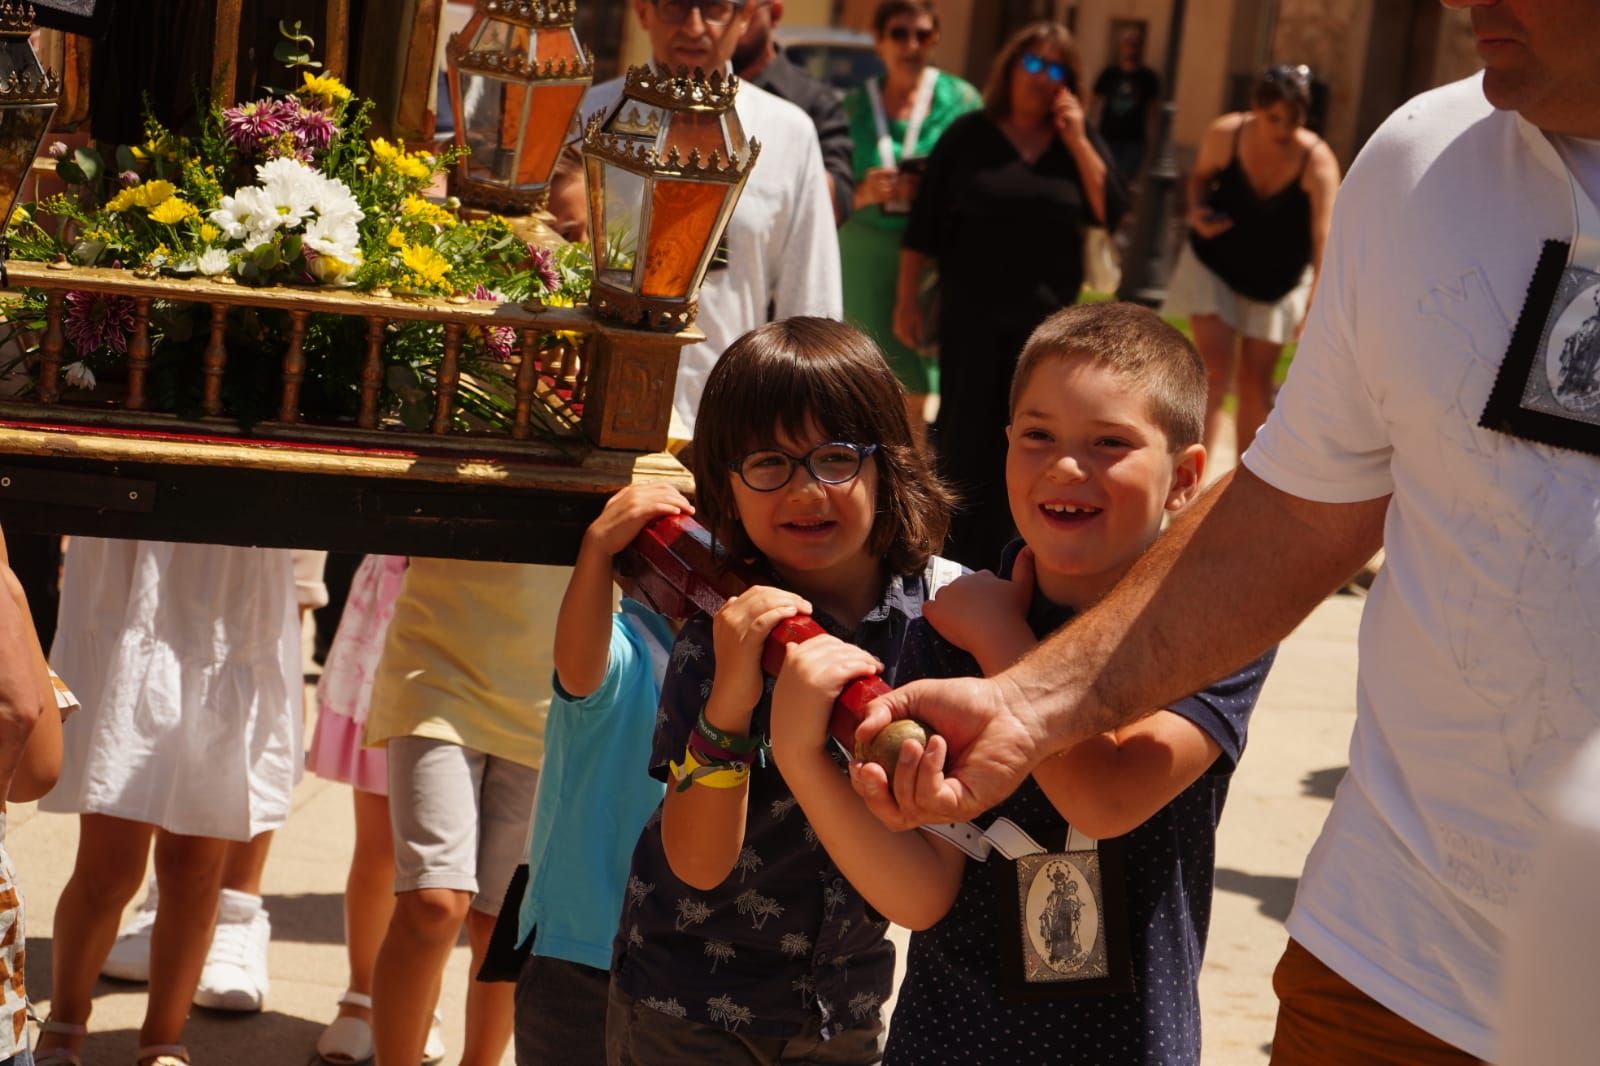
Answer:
[(215, 358), (294, 367), (50, 349), (580, 383), (139, 354), (371, 374), (569, 364), (449, 377), (526, 376)]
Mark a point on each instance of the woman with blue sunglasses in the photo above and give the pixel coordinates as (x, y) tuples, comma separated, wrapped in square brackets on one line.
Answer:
[(1002, 211)]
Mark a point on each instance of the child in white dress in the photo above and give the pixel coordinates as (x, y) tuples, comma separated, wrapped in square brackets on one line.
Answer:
[(187, 661)]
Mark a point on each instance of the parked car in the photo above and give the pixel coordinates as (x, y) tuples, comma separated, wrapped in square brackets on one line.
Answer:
[(842, 58)]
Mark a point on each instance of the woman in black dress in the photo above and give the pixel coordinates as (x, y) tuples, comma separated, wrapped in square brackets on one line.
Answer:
[(1261, 201), (1001, 211)]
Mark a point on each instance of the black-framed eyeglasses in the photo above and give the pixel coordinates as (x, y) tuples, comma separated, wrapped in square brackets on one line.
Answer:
[(1052, 68), (902, 34), (712, 12), (833, 463)]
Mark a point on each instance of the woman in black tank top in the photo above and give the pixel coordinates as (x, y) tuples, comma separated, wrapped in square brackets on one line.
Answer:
[(1261, 196)]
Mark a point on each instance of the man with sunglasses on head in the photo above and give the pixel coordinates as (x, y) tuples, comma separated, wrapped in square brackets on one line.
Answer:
[(1438, 406), (782, 251), (758, 60)]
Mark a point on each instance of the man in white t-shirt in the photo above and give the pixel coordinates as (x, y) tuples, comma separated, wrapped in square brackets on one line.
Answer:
[(1478, 676), (783, 252)]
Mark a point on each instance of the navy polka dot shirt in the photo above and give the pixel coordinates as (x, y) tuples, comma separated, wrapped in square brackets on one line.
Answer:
[(950, 1008)]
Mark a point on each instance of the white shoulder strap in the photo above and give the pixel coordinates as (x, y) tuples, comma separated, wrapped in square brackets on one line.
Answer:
[(921, 104), (940, 572), (1004, 836)]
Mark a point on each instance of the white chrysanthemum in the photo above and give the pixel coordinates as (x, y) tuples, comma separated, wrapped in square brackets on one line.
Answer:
[(293, 188), (336, 237), (248, 211), (212, 261), (78, 375), (336, 204)]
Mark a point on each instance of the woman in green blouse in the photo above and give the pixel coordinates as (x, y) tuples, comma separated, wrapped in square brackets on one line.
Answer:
[(898, 117)]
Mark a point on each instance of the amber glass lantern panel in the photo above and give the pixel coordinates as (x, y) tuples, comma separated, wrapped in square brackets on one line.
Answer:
[(682, 216), (544, 136), (696, 130)]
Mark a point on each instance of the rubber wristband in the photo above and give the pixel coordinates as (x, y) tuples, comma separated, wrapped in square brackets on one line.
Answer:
[(717, 774), (727, 778), (708, 752), (737, 745)]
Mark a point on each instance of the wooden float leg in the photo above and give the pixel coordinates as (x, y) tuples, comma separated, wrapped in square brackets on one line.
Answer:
[(215, 358), (50, 348), (449, 377), (294, 367)]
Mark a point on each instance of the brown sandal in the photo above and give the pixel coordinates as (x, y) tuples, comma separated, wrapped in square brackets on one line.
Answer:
[(60, 1056)]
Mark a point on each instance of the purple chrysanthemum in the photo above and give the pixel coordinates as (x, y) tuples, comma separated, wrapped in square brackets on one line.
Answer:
[(314, 129), (251, 125), (96, 321), (543, 262), (499, 342), (129, 178)]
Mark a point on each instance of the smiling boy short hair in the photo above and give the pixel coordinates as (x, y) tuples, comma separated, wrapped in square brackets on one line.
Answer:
[(1135, 343)]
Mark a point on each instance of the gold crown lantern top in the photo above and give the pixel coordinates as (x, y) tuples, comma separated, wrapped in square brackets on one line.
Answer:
[(16, 18), (681, 89), (24, 87), (533, 12)]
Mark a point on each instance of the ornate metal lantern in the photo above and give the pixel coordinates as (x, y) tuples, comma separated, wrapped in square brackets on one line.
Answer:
[(665, 168), (28, 95), (517, 74)]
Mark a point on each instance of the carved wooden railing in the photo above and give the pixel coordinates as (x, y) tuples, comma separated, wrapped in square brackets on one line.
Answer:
[(617, 394)]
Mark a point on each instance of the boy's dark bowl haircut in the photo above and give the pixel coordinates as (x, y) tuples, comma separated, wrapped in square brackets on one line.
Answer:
[(776, 377), (1135, 343)]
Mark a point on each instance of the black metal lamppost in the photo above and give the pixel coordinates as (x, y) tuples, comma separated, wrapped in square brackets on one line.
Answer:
[(1145, 267)]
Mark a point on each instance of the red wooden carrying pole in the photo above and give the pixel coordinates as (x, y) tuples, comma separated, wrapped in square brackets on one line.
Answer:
[(677, 571)]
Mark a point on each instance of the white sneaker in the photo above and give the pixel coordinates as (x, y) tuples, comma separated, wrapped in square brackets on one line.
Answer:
[(130, 955), (434, 1050), (235, 974)]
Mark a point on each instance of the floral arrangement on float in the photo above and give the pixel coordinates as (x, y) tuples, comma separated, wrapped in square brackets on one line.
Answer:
[(285, 191)]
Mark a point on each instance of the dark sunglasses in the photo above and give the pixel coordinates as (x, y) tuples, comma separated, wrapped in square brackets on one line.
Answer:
[(1055, 70), (833, 463), (712, 12), (902, 34)]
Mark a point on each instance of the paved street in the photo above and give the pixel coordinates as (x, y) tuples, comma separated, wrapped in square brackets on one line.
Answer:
[(1295, 758)]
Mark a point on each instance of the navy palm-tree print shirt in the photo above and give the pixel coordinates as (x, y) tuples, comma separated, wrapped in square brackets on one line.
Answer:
[(785, 940)]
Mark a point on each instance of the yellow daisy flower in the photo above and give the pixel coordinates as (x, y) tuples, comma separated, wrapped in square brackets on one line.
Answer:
[(383, 151), (428, 265), (411, 166), (415, 207), (396, 239), (173, 211), (150, 195), (208, 232), (324, 87)]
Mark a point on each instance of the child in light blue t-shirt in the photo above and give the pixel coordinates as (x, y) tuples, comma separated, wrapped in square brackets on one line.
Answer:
[(595, 792)]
